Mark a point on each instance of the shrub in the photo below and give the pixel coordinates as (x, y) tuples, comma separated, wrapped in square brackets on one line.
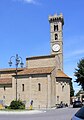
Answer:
[(17, 105)]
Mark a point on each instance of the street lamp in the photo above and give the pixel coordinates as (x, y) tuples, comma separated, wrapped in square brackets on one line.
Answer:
[(18, 60)]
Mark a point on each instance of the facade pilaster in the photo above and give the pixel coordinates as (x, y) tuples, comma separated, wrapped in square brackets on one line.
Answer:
[(30, 88), (49, 91)]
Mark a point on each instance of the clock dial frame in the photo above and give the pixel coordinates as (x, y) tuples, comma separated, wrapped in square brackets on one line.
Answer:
[(56, 47)]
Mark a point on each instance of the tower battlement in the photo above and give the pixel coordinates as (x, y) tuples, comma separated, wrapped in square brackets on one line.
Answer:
[(56, 18)]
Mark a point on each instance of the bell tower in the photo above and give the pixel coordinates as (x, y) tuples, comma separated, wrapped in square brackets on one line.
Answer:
[(56, 42)]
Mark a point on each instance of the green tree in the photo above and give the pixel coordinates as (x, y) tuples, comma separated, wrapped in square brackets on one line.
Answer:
[(71, 89), (79, 73)]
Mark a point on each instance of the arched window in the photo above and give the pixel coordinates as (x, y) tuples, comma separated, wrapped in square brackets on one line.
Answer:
[(56, 36), (22, 87), (4, 88), (63, 88), (39, 87), (55, 27)]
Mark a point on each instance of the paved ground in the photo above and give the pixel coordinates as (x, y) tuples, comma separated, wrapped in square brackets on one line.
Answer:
[(54, 114), (22, 112)]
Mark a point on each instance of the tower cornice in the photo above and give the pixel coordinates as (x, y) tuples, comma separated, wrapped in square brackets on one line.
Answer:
[(56, 18)]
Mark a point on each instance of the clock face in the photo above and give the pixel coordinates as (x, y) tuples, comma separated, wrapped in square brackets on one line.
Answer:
[(56, 47)]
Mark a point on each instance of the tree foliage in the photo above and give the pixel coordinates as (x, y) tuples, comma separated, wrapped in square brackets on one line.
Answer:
[(71, 89), (79, 73)]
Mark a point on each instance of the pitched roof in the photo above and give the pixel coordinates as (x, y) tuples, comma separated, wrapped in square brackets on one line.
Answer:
[(42, 70), (5, 81), (61, 74), (10, 69)]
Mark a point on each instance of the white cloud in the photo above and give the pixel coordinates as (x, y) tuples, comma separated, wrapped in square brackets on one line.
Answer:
[(74, 54), (78, 52), (29, 1), (74, 47), (73, 40)]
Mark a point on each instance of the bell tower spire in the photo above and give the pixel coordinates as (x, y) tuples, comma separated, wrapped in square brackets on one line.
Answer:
[(56, 33)]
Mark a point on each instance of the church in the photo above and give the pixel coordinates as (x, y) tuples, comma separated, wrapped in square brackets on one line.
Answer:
[(42, 80)]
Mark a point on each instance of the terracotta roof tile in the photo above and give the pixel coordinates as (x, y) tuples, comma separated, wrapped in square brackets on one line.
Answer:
[(10, 69), (5, 81), (41, 70), (61, 74)]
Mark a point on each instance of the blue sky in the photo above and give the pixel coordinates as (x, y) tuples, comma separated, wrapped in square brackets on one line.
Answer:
[(24, 29)]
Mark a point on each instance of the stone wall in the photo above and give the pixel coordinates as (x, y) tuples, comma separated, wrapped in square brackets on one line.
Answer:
[(31, 92), (63, 91), (42, 62)]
